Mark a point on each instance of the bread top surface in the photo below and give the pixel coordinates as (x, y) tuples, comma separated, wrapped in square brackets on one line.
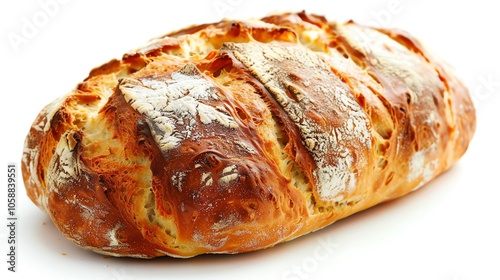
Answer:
[(234, 136)]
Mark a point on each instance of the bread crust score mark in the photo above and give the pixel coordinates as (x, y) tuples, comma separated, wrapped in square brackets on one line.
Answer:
[(238, 135)]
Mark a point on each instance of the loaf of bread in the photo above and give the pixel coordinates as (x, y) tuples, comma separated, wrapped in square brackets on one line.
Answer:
[(239, 135)]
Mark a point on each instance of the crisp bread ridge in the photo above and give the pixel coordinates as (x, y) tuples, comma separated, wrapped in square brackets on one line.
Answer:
[(235, 136)]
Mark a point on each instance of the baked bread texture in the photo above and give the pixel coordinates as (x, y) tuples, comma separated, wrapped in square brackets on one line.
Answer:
[(239, 135)]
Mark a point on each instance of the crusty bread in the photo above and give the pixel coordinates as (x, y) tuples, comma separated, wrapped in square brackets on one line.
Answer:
[(238, 135)]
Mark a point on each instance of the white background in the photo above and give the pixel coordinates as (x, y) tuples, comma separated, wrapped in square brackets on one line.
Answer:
[(447, 230)]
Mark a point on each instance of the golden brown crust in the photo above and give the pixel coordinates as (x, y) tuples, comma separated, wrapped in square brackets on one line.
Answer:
[(235, 136)]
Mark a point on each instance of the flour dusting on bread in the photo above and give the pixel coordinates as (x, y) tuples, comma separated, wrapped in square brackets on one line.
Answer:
[(175, 101)]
